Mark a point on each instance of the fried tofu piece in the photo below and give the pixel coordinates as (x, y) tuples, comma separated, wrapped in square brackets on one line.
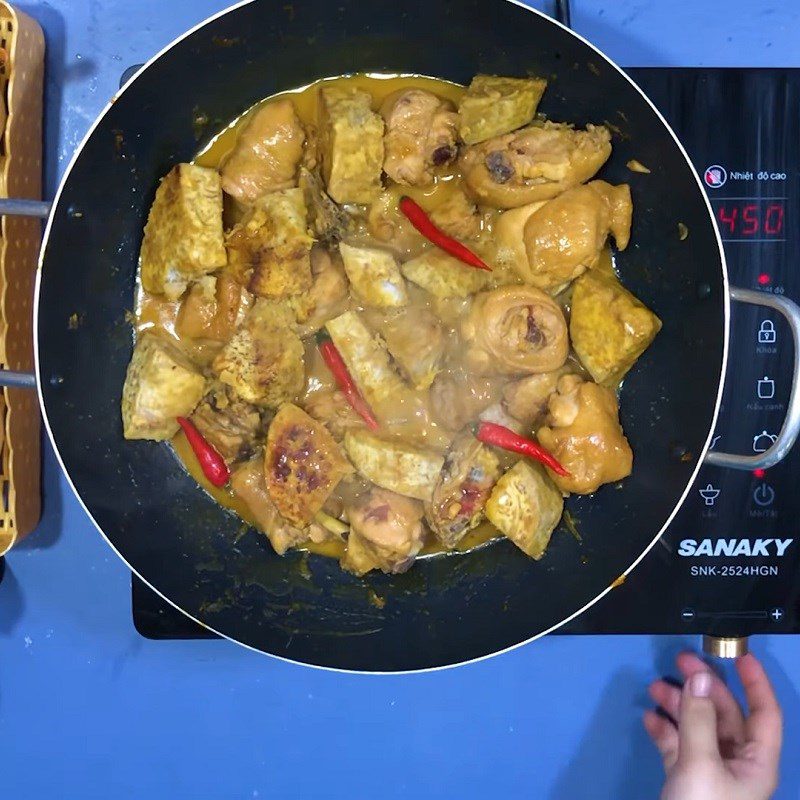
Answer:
[(161, 384), (609, 327), (366, 357), (470, 471), (270, 249), (183, 237), (386, 533), (264, 361), (493, 106), (394, 464), (213, 308), (267, 153), (302, 464), (350, 144), (525, 506), (230, 425), (444, 276), (374, 276), (250, 486)]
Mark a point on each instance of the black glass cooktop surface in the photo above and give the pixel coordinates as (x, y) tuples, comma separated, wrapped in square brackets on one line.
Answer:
[(729, 563)]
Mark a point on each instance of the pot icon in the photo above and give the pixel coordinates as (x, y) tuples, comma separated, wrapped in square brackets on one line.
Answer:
[(763, 441)]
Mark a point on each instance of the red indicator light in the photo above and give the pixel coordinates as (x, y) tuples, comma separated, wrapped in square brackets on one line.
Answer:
[(759, 473), (764, 279)]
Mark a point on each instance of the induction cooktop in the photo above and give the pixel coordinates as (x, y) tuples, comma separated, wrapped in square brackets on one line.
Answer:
[(729, 564)]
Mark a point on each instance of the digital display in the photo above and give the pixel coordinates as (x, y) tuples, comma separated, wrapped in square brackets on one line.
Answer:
[(750, 219)]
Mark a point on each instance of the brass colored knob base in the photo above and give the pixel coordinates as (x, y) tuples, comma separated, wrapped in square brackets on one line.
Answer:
[(725, 646)]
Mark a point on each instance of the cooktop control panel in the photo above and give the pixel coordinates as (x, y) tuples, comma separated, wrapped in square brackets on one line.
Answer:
[(730, 562)]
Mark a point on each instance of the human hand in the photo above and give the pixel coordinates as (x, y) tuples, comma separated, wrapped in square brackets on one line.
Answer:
[(715, 752)]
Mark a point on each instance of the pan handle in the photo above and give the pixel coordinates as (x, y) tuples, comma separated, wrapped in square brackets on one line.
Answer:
[(791, 424), (18, 207)]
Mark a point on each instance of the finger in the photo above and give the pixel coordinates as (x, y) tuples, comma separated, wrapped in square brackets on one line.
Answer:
[(667, 696), (664, 736), (730, 719), (697, 723), (764, 724)]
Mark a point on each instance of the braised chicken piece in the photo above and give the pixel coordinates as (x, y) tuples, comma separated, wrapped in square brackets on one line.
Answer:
[(564, 238), (391, 229), (610, 328), (329, 222), (420, 136), (525, 506), (267, 153), (584, 435), (249, 485), (160, 385), (328, 296), (302, 463), (534, 163), (526, 400), (462, 489), (456, 214), (213, 308), (416, 341), (230, 425), (386, 533), (509, 229), (514, 330), (270, 249), (493, 106), (330, 407), (350, 144), (183, 238), (458, 396), (263, 361)]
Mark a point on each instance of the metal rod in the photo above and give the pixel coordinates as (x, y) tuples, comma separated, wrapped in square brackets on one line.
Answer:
[(17, 380), (563, 14), (13, 207)]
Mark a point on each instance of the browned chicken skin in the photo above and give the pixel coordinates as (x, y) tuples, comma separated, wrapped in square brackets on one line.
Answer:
[(515, 330), (267, 153), (230, 425), (566, 236), (420, 136), (584, 434), (386, 532), (534, 163)]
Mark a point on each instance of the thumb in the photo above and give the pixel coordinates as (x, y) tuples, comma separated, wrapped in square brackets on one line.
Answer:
[(697, 726)]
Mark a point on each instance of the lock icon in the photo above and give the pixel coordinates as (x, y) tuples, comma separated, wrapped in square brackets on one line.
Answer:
[(766, 332)]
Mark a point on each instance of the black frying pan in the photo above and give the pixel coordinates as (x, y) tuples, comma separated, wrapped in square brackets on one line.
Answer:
[(447, 609)]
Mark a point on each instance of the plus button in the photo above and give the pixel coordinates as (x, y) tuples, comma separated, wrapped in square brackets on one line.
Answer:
[(776, 614)]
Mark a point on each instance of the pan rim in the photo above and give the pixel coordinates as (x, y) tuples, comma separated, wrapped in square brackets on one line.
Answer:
[(678, 504)]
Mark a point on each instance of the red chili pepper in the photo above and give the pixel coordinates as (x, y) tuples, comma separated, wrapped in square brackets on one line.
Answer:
[(211, 462), (500, 436), (333, 358), (424, 224)]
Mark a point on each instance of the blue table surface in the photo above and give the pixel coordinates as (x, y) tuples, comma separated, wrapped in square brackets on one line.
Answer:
[(90, 709)]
